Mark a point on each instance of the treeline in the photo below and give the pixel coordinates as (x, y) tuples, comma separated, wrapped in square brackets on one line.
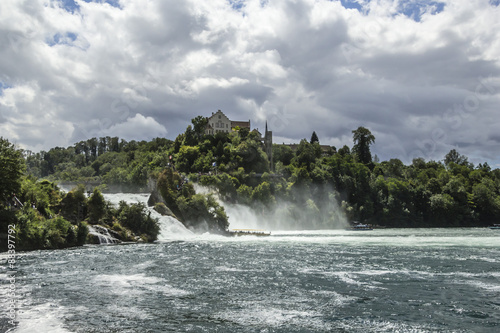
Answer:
[(107, 160), (307, 184), (44, 217), (452, 193), (115, 161), (448, 193)]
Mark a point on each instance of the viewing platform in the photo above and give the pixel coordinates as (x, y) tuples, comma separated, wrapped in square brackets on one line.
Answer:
[(248, 232)]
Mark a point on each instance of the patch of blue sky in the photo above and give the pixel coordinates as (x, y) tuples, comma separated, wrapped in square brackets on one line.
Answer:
[(66, 39), (113, 3), (495, 2), (353, 4), (237, 4), (71, 6), (414, 9), (4, 86)]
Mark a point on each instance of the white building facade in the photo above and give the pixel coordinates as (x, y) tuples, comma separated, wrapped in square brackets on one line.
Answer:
[(218, 123)]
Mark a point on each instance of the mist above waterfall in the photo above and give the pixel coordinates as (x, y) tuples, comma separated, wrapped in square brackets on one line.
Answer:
[(310, 213), (316, 212)]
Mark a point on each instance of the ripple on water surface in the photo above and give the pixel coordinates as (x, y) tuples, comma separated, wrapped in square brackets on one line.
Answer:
[(328, 281)]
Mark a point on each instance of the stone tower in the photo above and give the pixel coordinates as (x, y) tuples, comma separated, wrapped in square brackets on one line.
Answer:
[(268, 147)]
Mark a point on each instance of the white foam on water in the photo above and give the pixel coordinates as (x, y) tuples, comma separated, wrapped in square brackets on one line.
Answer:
[(136, 284), (126, 280), (45, 317), (491, 287), (346, 278), (228, 269), (130, 312), (416, 238), (366, 325), (143, 265), (274, 317), (487, 259), (335, 299), (124, 284)]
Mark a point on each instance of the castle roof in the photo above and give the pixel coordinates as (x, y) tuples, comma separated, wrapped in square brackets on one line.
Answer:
[(242, 124)]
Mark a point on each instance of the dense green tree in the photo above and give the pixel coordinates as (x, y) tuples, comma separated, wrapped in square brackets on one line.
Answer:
[(307, 154), (243, 133), (199, 126), (135, 218), (314, 138), (73, 206), (262, 193), (454, 157), (12, 167), (251, 157), (362, 138), (283, 154), (190, 137), (344, 151), (96, 206), (186, 158)]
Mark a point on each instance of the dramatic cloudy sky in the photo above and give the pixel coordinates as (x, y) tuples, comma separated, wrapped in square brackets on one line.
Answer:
[(423, 76)]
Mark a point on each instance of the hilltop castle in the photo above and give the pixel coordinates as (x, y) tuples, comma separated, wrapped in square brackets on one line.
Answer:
[(218, 122)]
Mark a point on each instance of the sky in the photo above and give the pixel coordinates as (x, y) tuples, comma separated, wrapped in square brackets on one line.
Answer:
[(423, 76)]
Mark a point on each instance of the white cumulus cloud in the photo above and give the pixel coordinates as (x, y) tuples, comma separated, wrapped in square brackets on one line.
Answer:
[(423, 76)]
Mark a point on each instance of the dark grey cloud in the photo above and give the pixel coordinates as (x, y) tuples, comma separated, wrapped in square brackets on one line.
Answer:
[(140, 70)]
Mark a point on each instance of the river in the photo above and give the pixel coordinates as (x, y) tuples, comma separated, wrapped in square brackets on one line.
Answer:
[(385, 280)]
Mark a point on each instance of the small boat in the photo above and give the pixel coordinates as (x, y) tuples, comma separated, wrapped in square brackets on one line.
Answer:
[(360, 226), (248, 232), (495, 226)]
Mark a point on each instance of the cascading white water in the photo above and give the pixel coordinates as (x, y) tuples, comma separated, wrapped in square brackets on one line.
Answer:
[(102, 234), (170, 228)]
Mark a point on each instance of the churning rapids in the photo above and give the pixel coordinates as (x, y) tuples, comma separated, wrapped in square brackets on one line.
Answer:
[(385, 280)]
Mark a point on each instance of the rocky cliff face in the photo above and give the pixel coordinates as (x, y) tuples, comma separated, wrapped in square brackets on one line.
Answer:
[(155, 196), (156, 200), (173, 195)]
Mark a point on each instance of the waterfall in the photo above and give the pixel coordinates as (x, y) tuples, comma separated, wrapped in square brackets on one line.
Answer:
[(102, 234), (170, 228), (239, 216)]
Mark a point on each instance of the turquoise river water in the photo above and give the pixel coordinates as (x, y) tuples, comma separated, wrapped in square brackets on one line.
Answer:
[(385, 280)]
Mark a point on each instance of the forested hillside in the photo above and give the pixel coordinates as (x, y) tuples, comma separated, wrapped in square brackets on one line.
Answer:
[(36, 214), (451, 192)]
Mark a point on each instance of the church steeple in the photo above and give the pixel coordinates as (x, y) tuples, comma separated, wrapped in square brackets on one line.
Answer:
[(268, 146)]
